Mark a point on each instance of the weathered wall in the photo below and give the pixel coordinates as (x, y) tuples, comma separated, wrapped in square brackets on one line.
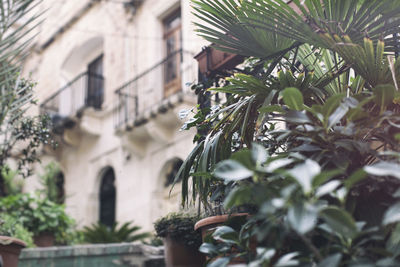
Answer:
[(131, 43)]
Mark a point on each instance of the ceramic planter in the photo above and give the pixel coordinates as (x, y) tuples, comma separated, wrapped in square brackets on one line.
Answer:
[(178, 254), (44, 240), (209, 224), (10, 248)]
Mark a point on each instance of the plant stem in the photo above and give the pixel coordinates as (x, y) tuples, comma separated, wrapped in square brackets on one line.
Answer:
[(310, 245)]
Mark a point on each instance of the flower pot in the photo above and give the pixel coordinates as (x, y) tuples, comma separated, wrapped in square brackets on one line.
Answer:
[(180, 255), (209, 224), (44, 240), (10, 248)]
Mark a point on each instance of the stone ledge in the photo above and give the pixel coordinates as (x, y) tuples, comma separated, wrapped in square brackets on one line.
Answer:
[(92, 250)]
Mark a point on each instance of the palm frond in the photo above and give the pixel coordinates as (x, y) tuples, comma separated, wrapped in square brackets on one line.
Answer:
[(226, 30)]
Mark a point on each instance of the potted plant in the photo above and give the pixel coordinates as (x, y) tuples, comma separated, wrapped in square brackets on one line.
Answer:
[(45, 219), (181, 241), (13, 238), (309, 134), (101, 234)]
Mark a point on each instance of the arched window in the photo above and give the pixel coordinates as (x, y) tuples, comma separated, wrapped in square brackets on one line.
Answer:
[(60, 188), (107, 198), (172, 170)]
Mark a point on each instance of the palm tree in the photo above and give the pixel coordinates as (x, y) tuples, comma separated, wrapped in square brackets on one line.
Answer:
[(17, 22), (327, 69)]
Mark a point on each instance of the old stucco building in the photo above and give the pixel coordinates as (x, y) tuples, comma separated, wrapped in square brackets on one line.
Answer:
[(113, 77)]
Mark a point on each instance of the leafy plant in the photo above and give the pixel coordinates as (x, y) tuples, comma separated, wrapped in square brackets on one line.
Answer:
[(99, 233), (308, 134), (179, 227), (38, 215), (10, 226), (12, 186), (20, 134), (50, 180)]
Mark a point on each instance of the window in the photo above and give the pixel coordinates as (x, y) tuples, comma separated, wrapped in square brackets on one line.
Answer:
[(60, 188), (107, 198), (95, 84), (172, 46), (172, 171)]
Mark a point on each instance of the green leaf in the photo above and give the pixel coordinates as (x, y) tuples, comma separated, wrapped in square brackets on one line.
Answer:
[(244, 157), (356, 177), (339, 113), (384, 168), (331, 261), (277, 163), (208, 248), (325, 176), (287, 260), (220, 262), (259, 154), (293, 98), (302, 217), (339, 221), (384, 95), (305, 173), (392, 215), (231, 170), (332, 104), (327, 188), (393, 244), (271, 108)]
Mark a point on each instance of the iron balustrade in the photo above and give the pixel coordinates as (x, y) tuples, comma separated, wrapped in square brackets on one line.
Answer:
[(151, 87), (85, 90)]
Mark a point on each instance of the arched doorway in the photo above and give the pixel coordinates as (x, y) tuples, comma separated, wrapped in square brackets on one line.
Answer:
[(107, 198)]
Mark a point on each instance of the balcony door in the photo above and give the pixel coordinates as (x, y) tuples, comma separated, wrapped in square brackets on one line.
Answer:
[(172, 46), (95, 84)]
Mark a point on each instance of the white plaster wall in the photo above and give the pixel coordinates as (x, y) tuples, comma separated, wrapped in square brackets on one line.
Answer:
[(130, 44)]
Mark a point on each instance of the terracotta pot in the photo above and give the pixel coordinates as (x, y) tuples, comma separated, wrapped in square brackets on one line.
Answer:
[(180, 255), (44, 240), (10, 250), (209, 224)]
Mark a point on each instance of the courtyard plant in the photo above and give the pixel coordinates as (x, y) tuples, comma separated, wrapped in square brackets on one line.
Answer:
[(12, 227), (99, 233), (308, 135), (40, 216), (181, 240)]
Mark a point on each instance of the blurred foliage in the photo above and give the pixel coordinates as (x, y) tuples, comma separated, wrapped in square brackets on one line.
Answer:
[(180, 227), (12, 185), (39, 215), (50, 181), (10, 226), (308, 133), (102, 234)]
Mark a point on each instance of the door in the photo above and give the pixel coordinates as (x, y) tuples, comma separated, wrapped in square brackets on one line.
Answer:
[(95, 84)]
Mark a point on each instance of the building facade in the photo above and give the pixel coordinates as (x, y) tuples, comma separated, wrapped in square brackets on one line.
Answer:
[(113, 76)]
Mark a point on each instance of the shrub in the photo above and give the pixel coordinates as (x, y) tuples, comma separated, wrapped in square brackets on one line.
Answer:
[(10, 226), (179, 227), (38, 215), (101, 234)]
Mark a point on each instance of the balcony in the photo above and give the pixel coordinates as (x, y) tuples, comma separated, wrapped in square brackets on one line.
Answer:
[(147, 106), (66, 105)]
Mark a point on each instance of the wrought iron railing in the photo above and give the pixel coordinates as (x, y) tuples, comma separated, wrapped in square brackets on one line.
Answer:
[(151, 87), (85, 90)]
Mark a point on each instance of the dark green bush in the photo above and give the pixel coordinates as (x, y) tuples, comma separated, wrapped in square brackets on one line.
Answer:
[(39, 215), (101, 234), (179, 227)]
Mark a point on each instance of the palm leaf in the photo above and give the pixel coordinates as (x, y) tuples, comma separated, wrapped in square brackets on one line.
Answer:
[(227, 31)]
